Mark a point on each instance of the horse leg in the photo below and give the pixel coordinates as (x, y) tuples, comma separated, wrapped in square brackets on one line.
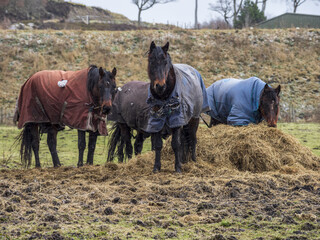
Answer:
[(193, 128), (35, 143), (126, 136), (157, 146), (120, 151), (92, 146), (184, 146), (176, 146), (138, 144), (52, 144), (81, 146)]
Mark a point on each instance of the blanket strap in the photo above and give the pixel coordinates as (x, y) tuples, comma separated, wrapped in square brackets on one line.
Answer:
[(62, 110), (89, 121)]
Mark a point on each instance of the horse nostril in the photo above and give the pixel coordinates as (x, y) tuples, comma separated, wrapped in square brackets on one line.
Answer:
[(106, 109)]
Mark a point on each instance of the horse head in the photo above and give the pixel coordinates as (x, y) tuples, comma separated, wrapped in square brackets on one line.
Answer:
[(269, 104), (107, 89), (159, 66), (102, 87)]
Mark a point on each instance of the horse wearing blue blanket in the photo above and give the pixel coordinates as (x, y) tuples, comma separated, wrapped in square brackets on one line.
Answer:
[(242, 101)]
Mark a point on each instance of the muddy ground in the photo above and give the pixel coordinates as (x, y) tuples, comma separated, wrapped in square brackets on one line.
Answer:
[(128, 201)]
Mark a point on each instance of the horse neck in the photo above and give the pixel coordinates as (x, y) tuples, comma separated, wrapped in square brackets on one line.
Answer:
[(93, 79), (171, 83)]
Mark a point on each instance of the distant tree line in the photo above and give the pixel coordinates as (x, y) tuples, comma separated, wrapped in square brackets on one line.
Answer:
[(235, 13)]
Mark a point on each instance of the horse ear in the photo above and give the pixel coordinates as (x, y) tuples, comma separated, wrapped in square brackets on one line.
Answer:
[(266, 86), (114, 72), (101, 72), (165, 47), (152, 46), (278, 89)]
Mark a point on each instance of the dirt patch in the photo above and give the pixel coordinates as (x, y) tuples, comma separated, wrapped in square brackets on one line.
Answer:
[(212, 199)]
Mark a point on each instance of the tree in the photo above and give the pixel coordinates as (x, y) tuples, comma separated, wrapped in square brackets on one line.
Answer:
[(264, 4), (196, 15), (249, 15), (227, 8), (224, 8), (296, 4), (146, 4)]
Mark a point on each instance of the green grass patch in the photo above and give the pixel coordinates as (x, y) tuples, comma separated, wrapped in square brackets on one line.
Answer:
[(307, 133)]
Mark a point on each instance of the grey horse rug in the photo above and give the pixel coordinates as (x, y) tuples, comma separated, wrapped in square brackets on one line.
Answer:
[(130, 106), (188, 100), (235, 101), (47, 98)]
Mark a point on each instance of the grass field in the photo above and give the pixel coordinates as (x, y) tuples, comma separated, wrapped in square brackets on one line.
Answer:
[(307, 133)]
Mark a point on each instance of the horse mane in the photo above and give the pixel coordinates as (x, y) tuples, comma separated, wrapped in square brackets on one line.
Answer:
[(93, 77)]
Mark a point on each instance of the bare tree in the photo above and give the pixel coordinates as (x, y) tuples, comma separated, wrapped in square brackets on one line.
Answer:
[(264, 4), (227, 8), (236, 9), (146, 4), (224, 8), (296, 4), (196, 16)]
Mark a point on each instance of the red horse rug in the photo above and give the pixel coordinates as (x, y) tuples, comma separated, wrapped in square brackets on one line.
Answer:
[(60, 98)]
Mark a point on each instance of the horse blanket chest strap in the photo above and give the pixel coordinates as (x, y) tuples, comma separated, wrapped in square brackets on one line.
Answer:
[(43, 99)]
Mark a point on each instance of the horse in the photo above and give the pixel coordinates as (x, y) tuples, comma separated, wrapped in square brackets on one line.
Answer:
[(50, 100), (176, 97), (243, 101), (129, 112)]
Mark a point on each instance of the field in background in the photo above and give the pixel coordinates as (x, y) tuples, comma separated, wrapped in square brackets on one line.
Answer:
[(288, 57), (307, 133)]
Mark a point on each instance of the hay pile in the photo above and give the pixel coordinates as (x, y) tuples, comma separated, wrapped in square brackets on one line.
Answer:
[(254, 148)]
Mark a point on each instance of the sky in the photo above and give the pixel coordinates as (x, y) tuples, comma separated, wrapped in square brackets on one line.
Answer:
[(181, 12)]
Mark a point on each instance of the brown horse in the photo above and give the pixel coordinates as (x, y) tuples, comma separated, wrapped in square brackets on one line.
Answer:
[(51, 100), (243, 101)]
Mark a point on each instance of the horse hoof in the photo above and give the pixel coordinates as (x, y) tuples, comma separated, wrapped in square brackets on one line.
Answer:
[(80, 165), (38, 166), (156, 170)]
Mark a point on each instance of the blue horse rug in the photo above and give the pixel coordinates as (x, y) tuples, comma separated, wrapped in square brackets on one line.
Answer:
[(235, 101), (188, 100)]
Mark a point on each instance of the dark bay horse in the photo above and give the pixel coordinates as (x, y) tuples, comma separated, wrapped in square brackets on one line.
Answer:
[(242, 101), (176, 98), (51, 100), (130, 111)]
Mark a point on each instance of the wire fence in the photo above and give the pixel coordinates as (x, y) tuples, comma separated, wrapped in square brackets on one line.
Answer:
[(6, 116)]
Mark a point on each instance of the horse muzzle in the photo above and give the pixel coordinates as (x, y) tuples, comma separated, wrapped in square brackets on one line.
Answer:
[(272, 124), (159, 89), (106, 110)]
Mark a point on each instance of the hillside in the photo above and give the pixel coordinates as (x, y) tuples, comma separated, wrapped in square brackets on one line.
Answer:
[(286, 57), (54, 14)]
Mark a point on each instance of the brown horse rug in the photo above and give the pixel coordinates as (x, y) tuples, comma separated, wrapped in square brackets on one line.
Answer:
[(60, 98)]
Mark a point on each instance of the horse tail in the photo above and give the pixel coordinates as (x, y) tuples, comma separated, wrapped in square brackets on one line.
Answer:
[(25, 138), (114, 141)]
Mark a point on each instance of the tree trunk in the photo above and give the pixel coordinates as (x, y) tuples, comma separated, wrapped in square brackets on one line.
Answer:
[(196, 16), (139, 17), (295, 6), (264, 4)]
